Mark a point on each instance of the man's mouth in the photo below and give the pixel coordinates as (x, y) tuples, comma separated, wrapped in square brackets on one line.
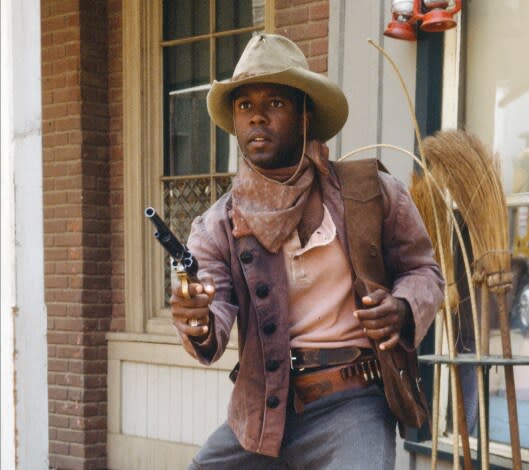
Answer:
[(258, 137)]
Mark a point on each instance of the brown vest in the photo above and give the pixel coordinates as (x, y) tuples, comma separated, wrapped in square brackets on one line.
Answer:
[(364, 216)]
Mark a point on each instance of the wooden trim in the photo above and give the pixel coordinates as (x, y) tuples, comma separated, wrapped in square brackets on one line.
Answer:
[(114, 395), (270, 24), (142, 149), (153, 154), (217, 34), (450, 114), (157, 349), (132, 165)]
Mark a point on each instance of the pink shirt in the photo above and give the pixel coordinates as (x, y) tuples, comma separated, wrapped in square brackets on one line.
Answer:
[(321, 302)]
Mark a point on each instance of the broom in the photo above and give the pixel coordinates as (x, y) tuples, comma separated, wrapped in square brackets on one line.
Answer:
[(430, 192), (472, 177), (420, 193), (455, 394)]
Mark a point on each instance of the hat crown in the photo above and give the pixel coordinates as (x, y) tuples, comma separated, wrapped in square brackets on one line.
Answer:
[(269, 53)]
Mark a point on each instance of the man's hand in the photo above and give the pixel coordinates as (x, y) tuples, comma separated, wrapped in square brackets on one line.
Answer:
[(191, 316), (385, 318)]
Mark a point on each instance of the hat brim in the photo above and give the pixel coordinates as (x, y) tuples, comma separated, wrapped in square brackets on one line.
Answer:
[(330, 104)]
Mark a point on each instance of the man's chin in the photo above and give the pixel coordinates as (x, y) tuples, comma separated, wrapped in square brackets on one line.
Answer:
[(266, 162)]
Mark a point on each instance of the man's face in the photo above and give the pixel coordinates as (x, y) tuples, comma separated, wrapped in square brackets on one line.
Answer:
[(269, 124)]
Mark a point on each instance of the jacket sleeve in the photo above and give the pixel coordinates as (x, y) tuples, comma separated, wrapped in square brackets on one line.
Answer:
[(409, 256), (205, 242)]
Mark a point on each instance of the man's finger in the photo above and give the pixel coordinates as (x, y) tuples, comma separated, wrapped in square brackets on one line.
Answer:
[(390, 343), (374, 298), (379, 332), (209, 289), (192, 330), (194, 288)]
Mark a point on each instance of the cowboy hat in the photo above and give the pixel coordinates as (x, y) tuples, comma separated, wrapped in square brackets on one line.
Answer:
[(271, 58)]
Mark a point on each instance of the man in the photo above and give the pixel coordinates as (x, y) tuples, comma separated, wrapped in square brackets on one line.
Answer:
[(306, 393)]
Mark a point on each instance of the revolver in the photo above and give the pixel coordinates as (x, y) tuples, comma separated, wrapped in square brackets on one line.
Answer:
[(183, 262)]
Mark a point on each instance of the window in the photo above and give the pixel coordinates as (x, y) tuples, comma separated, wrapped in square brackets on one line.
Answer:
[(202, 41), (174, 158)]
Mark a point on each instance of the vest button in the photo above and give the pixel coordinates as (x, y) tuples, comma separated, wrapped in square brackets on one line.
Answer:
[(246, 257), (272, 365), (372, 250), (262, 291), (272, 402), (269, 328)]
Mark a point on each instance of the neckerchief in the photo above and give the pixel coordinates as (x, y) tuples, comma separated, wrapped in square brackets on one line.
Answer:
[(265, 207)]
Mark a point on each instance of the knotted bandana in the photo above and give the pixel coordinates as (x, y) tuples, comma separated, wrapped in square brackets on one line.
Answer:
[(267, 208)]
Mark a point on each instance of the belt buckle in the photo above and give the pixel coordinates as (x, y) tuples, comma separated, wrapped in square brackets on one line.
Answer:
[(292, 360)]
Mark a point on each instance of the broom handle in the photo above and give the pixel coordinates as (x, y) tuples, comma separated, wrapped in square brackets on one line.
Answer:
[(485, 319), (458, 405), (483, 347), (463, 428), (453, 386), (436, 389), (509, 382)]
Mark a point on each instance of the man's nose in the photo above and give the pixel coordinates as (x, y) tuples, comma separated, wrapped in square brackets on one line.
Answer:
[(258, 116)]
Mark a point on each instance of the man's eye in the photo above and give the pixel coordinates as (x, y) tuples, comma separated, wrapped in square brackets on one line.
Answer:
[(244, 105), (276, 103)]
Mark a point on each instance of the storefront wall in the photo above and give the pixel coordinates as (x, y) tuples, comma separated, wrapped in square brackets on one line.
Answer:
[(103, 147)]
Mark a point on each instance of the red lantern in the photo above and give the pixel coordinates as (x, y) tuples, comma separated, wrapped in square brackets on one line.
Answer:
[(438, 16), (402, 24), (432, 15)]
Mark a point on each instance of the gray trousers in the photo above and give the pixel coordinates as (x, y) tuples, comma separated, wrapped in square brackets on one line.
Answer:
[(353, 430)]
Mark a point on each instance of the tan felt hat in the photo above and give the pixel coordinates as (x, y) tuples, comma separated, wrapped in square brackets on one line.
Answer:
[(271, 58)]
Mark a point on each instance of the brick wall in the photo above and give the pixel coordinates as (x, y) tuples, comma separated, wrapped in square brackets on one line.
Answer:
[(115, 99), (83, 196), (306, 22), (77, 228)]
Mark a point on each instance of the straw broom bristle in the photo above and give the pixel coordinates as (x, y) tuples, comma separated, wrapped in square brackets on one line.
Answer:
[(420, 194), (471, 174)]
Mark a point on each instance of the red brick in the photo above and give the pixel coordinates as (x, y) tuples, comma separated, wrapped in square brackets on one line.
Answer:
[(70, 435), (317, 30), (319, 47), (58, 447), (55, 393), (318, 64), (65, 461), (56, 282), (319, 11), (291, 16), (83, 175), (70, 380)]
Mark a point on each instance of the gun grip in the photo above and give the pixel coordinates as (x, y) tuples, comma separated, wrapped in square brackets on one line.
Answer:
[(184, 284)]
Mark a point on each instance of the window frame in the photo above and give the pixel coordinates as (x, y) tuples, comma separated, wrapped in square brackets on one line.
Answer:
[(143, 160)]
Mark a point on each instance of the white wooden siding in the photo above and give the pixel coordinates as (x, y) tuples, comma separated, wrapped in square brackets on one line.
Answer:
[(162, 404), (178, 404)]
